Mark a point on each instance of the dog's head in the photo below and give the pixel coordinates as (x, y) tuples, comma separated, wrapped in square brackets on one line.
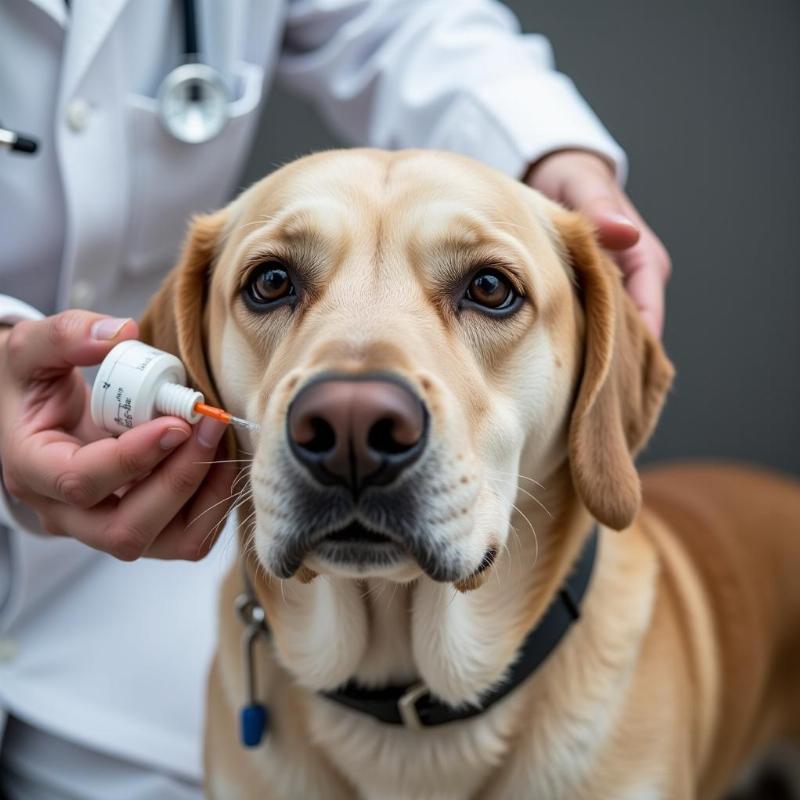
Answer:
[(409, 329)]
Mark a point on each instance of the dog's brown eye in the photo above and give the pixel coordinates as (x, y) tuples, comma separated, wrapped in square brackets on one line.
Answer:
[(268, 284), (491, 289)]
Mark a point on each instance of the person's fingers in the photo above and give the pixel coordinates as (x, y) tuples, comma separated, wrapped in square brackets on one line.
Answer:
[(85, 525), (127, 527), (41, 349), (150, 506), (60, 467), (645, 284), (584, 182), (192, 533), (640, 256), (646, 268), (598, 197), (614, 230)]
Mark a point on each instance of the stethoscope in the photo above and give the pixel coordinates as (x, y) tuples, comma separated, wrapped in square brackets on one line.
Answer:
[(193, 99)]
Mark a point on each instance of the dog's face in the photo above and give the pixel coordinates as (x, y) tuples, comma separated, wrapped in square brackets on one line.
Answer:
[(409, 330)]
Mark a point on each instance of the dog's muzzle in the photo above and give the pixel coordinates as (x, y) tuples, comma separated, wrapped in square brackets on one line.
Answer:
[(358, 480)]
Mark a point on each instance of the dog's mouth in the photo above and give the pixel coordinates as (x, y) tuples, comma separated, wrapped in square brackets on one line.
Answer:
[(356, 533), (357, 546), (389, 533)]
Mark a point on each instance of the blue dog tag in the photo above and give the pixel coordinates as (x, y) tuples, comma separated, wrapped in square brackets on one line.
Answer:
[(253, 722), (254, 716)]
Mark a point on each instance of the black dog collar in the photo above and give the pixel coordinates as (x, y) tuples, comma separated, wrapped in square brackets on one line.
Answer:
[(413, 706)]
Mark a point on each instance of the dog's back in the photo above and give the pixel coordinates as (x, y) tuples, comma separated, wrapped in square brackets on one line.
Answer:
[(741, 529)]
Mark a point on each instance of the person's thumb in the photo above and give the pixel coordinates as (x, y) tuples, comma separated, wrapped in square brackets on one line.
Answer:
[(54, 345)]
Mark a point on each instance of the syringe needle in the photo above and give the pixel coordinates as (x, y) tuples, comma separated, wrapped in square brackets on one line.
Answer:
[(253, 427), (223, 416)]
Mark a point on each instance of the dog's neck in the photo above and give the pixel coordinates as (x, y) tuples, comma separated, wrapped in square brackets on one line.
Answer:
[(331, 630)]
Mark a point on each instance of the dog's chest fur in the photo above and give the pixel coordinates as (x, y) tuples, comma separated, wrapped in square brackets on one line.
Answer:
[(528, 740), (384, 761)]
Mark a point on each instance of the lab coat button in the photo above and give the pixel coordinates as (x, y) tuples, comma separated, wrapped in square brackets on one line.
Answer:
[(8, 650), (78, 112), (82, 294)]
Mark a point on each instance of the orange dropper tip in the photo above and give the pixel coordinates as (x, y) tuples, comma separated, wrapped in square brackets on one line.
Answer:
[(210, 411), (223, 416)]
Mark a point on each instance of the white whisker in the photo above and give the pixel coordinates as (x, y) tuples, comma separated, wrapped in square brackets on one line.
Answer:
[(212, 534), (453, 597), (518, 475), (219, 502), (533, 531), (532, 496)]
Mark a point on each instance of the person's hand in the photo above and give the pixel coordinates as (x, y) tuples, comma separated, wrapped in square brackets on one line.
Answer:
[(584, 182), (150, 492)]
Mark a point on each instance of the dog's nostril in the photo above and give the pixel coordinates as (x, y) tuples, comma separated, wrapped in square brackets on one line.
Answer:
[(386, 437), (323, 436), (356, 431)]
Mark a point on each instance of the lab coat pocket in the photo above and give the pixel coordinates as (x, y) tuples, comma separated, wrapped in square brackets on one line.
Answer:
[(171, 180)]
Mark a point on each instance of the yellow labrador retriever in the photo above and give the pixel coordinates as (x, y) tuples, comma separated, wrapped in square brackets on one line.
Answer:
[(467, 592)]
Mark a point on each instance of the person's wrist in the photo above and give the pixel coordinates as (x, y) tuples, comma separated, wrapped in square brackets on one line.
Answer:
[(5, 334), (6, 382), (552, 166)]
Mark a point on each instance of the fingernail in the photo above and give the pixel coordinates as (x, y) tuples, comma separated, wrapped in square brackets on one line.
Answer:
[(172, 438), (109, 328), (620, 219), (209, 432)]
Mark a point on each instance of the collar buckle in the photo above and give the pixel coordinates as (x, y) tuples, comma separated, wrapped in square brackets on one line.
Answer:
[(407, 706)]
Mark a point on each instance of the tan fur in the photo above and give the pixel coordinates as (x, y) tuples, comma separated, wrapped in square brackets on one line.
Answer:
[(685, 661), (624, 382), (174, 317)]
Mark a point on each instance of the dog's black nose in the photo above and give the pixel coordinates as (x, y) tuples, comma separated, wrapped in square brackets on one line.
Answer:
[(357, 431)]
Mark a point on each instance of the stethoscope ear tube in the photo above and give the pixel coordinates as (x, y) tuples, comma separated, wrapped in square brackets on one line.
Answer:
[(18, 143), (193, 100)]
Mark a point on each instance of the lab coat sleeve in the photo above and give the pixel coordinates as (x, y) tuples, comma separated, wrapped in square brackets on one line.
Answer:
[(12, 513), (449, 75), (32, 566)]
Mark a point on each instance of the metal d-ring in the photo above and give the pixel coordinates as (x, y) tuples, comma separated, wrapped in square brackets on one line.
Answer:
[(407, 706)]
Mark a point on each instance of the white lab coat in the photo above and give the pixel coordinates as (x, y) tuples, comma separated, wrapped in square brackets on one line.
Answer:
[(113, 655)]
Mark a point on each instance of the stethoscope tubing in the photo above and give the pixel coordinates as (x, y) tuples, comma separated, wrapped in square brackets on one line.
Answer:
[(191, 48)]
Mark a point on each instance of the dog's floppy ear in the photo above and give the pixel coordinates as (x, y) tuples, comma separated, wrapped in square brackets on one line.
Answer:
[(626, 375), (173, 321)]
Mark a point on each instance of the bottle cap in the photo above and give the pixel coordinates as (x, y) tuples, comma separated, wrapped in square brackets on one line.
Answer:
[(137, 383)]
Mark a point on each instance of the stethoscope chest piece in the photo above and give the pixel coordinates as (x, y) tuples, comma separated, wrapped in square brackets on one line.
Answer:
[(193, 103)]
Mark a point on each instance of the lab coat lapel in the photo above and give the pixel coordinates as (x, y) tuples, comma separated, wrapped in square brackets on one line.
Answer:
[(54, 9), (89, 25)]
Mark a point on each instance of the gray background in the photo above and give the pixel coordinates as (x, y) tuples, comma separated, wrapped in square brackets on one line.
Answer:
[(703, 96)]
